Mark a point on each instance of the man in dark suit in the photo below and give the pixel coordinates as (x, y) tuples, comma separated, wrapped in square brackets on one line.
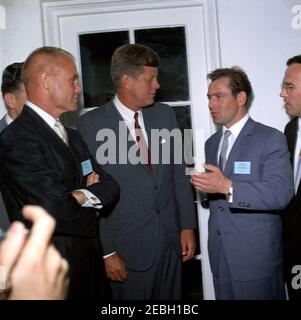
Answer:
[(13, 93), (150, 231), (14, 96), (291, 94), (247, 193), (43, 163)]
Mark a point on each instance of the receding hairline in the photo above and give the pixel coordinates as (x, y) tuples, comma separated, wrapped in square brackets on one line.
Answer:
[(43, 58)]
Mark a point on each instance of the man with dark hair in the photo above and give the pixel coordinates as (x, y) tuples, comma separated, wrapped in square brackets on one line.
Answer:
[(291, 94), (44, 163), (14, 96), (248, 180), (150, 231), (13, 93)]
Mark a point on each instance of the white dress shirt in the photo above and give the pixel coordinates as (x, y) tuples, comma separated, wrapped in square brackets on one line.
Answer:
[(8, 119), (91, 199), (235, 131), (298, 146), (128, 116)]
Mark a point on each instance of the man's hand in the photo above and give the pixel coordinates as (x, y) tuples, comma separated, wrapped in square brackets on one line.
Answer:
[(92, 178), (115, 268), (210, 182), (35, 269), (79, 195), (188, 244)]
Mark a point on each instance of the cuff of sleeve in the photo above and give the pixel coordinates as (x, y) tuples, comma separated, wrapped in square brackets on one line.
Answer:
[(108, 255), (91, 199), (229, 195)]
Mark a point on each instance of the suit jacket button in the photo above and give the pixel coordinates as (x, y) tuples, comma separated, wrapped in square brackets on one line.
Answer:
[(220, 209), (218, 232), (156, 188), (158, 211)]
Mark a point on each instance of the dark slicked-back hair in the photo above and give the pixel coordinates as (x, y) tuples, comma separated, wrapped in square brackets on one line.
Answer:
[(130, 59), (11, 78), (295, 59), (238, 80)]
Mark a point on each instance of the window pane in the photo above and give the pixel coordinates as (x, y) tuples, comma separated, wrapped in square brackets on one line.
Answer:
[(183, 117), (184, 122), (96, 50), (170, 44)]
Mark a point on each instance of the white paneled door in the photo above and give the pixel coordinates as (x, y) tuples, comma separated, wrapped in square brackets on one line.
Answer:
[(65, 21)]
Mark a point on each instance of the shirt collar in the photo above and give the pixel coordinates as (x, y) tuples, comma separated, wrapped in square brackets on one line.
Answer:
[(8, 119), (50, 120), (299, 125), (126, 113), (237, 127)]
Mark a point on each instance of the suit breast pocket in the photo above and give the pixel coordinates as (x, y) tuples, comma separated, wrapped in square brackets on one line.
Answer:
[(246, 170)]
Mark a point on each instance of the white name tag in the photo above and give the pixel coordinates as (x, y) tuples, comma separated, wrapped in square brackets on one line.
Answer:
[(87, 167), (242, 167)]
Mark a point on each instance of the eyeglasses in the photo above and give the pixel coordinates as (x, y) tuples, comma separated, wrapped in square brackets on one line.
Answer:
[(289, 87)]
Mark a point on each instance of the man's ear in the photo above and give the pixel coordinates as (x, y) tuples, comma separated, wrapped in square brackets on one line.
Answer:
[(126, 80), (10, 100), (46, 81), (241, 98)]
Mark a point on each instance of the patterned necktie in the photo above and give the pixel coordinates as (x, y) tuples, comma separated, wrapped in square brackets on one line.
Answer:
[(61, 131), (141, 142), (298, 173), (223, 154)]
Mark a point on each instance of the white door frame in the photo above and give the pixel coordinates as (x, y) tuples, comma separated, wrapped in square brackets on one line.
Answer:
[(57, 15)]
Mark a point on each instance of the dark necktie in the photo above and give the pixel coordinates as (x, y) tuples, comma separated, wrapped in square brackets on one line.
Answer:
[(224, 148), (142, 143)]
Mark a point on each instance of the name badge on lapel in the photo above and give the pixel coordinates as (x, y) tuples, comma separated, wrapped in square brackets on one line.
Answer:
[(87, 167), (242, 167)]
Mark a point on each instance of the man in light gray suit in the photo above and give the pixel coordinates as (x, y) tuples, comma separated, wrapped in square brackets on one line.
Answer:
[(150, 231), (246, 193), (14, 96)]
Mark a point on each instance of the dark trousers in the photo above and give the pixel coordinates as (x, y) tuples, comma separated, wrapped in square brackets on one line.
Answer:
[(161, 282), (86, 268), (226, 288)]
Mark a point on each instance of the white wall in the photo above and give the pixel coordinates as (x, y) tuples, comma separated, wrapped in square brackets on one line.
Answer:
[(254, 34), (23, 32), (257, 35)]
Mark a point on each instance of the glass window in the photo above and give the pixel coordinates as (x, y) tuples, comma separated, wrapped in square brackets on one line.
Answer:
[(170, 44), (96, 50)]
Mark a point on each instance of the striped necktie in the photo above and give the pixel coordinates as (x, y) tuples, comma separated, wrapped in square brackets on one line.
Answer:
[(140, 139)]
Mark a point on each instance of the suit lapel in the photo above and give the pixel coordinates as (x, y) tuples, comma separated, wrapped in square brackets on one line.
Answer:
[(211, 154), (115, 124), (149, 123), (240, 144), (39, 127), (291, 136), (124, 139)]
